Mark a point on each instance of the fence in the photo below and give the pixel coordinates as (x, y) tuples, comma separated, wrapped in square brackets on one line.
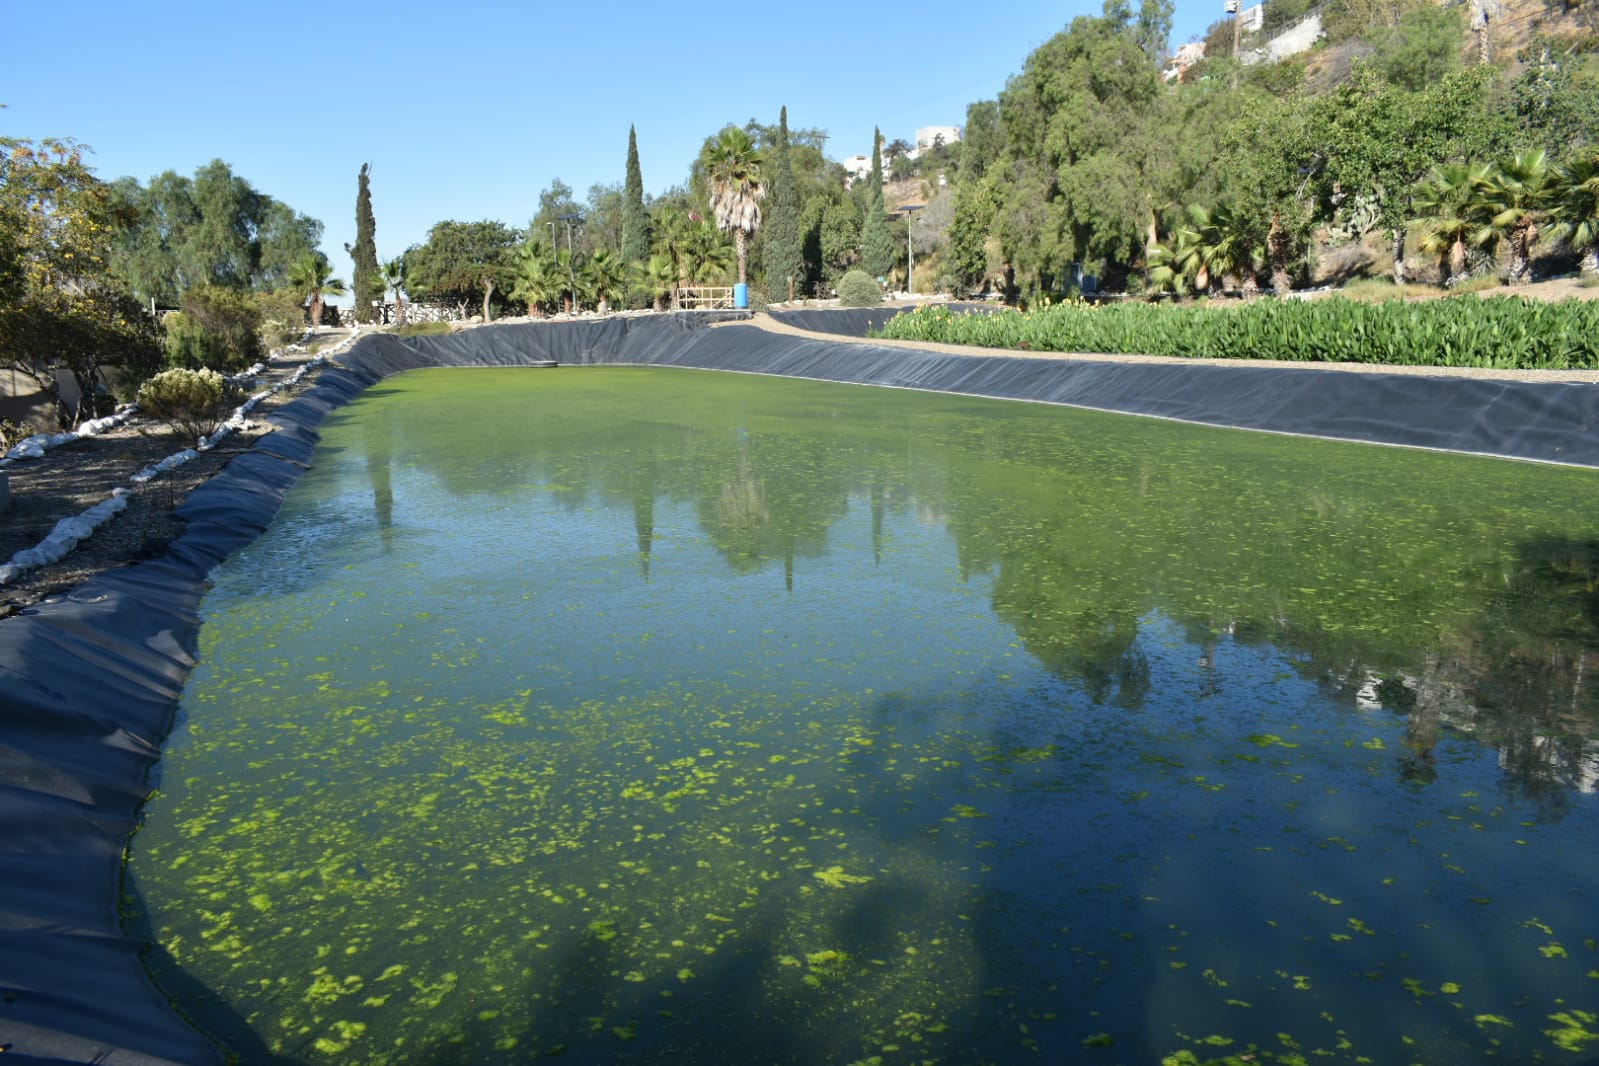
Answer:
[(705, 297)]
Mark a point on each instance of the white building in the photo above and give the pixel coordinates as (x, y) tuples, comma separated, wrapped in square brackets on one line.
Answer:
[(929, 136)]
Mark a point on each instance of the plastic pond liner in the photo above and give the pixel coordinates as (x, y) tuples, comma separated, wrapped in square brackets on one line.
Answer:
[(660, 716)]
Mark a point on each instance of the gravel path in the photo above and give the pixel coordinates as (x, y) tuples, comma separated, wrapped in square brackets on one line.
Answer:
[(68, 480)]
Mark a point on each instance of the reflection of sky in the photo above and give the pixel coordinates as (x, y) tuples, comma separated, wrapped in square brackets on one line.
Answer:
[(1234, 854)]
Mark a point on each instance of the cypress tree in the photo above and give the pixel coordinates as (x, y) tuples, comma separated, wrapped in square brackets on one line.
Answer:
[(785, 259), (368, 281), (635, 226), (878, 254)]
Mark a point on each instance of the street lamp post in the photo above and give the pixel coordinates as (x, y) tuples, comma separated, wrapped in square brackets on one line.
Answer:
[(570, 272), (910, 249)]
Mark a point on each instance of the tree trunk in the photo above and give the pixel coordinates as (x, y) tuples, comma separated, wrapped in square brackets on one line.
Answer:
[(488, 293), (316, 311), (1590, 261), (1277, 252), (739, 247), (1457, 262), (1397, 235), (1520, 267), (399, 310)]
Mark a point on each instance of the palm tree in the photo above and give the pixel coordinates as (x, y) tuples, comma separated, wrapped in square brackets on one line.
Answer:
[(540, 279), (1174, 265), (1576, 208), (311, 278), (392, 274), (661, 277), (605, 277), (1514, 198), (705, 254), (1449, 201), (733, 164)]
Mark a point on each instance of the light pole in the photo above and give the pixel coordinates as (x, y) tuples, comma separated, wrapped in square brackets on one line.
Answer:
[(570, 272), (910, 247)]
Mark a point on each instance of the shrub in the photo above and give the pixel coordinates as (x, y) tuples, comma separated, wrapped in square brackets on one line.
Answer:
[(859, 289), (214, 327), (191, 401), (282, 319)]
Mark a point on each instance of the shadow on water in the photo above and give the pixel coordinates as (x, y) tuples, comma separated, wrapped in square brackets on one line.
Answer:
[(193, 999)]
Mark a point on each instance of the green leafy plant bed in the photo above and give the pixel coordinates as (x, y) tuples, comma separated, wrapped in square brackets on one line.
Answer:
[(1498, 332), (661, 716)]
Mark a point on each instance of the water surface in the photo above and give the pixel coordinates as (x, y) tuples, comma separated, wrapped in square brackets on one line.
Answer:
[(660, 716)]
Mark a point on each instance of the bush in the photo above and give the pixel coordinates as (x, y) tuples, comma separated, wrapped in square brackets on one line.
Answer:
[(282, 319), (191, 401), (214, 327), (859, 289)]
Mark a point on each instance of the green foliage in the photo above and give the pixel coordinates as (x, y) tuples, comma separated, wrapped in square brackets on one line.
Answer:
[(282, 318), (215, 327), (310, 280), (1423, 48), (635, 223), (733, 166), (783, 257), (1500, 333), (859, 289), (462, 262), (214, 228), (368, 281), (191, 401)]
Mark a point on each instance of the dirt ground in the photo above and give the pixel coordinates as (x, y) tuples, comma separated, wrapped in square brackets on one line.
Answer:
[(72, 478)]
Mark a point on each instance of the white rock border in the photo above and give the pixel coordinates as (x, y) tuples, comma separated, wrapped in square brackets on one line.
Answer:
[(71, 531)]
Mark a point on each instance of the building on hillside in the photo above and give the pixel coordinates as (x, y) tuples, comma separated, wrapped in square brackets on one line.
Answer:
[(858, 167), (1183, 59), (1251, 19), (929, 137)]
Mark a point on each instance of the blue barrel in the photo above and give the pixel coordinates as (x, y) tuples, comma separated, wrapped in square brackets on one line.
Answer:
[(741, 295)]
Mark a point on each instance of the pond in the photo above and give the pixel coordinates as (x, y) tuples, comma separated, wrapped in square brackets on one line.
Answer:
[(652, 715)]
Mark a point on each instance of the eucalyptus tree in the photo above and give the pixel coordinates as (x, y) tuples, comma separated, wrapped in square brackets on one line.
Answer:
[(311, 279), (733, 167)]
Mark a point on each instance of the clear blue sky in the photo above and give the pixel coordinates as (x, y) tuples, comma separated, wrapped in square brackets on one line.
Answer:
[(468, 111)]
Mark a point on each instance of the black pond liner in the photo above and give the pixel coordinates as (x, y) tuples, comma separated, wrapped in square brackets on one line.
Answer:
[(89, 683)]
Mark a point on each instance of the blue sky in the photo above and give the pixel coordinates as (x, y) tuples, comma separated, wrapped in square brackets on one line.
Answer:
[(469, 112)]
